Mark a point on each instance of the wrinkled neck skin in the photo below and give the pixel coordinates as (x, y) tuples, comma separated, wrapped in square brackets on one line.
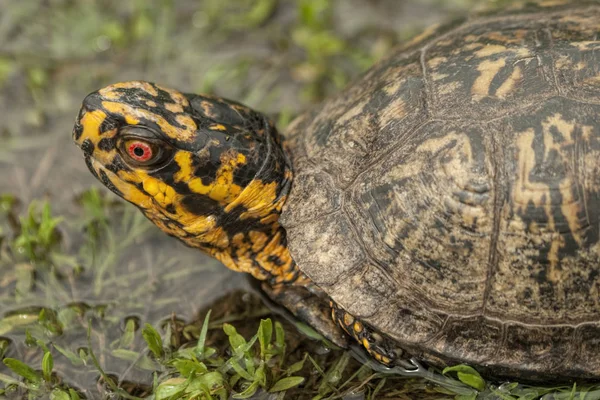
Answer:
[(245, 233), (247, 236)]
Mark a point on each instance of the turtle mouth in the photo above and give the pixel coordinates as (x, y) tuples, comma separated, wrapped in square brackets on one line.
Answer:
[(89, 161), (102, 175)]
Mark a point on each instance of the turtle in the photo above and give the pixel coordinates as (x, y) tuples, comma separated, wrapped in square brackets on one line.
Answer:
[(445, 205)]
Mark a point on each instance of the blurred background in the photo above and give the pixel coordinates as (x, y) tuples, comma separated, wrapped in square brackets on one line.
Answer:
[(78, 268)]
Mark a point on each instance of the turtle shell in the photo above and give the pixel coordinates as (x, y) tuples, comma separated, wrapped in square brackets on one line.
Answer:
[(450, 197)]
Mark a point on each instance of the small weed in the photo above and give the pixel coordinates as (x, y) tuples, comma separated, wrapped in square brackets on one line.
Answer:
[(254, 364), (38, 235)]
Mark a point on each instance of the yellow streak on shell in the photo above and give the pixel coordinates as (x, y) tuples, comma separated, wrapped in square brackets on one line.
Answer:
[(509, 84), (527, 192), (488, 69)]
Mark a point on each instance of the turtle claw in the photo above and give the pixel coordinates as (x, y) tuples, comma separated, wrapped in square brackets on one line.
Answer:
[(410, 366)]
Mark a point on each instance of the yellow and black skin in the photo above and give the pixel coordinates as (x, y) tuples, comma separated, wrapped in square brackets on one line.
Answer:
[(217, 179)]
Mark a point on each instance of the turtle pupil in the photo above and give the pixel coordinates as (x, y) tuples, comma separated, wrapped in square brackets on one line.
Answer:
[(138, 151)]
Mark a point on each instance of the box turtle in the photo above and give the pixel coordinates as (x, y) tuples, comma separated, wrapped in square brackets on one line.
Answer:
[(446, 205)]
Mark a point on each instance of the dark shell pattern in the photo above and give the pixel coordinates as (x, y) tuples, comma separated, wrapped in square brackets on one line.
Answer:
[(450, 197)]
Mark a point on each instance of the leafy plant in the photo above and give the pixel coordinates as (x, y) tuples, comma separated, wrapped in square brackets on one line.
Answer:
[(254, 364)]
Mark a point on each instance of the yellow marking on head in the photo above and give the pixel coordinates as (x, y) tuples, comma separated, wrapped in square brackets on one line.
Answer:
[(217, 237), (91, 122), (222, 188), (174, 108), (158, 190), (270, 219), (488, 69), (259, 240), (258, 199), (150, 103), (194, 224), (185, 173), (275, 248), (132, 193), (151, 186), (131, 120), (178, 97), (169, 193), (188, 133), (197, 186)]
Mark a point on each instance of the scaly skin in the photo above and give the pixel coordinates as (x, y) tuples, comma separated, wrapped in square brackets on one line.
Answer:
[(217, 179), (219, 183)]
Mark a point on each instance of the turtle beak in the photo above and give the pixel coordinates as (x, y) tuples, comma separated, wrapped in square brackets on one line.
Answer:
[(89, 161)]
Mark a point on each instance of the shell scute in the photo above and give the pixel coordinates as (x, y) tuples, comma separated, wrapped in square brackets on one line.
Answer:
[(357, 126), (467, 181), (431, 205), (548, 248), (489, 72)]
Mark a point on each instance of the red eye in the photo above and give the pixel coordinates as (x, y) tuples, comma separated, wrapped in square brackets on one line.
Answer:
[(139, 151)]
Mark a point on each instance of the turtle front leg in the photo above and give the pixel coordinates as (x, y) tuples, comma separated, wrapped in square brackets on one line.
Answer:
[(307, 306), (379, 347)]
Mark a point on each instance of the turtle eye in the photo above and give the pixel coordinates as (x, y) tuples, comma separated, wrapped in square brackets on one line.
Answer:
[(140, 148), (140, 151)]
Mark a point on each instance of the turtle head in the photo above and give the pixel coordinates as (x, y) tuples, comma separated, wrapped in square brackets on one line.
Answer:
[(209, 171)]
